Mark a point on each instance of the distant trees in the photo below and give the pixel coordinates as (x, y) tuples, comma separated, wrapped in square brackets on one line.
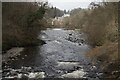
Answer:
[(75, 11), (54, 12), (76, 19)]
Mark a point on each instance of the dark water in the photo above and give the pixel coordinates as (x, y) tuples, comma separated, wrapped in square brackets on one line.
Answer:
[(63, 53)]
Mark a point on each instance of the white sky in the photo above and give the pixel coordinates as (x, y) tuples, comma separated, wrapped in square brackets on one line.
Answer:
[(71, 4)]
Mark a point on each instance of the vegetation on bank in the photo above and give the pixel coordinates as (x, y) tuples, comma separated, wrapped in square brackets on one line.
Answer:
[(21, 23), (102, 29), (106, 59)]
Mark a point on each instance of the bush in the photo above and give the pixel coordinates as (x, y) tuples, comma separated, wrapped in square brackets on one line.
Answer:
[(100, 24), (20, 24)]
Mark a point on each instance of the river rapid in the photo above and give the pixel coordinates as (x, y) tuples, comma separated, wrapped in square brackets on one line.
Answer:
[(63, 56)]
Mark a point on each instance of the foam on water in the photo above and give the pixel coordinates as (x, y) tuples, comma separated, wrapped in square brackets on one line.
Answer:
[(74, 74), (37, 75), (57, 29), (67, 63)]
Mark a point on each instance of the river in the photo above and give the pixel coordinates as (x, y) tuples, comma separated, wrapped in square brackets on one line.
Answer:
[(63, 56)]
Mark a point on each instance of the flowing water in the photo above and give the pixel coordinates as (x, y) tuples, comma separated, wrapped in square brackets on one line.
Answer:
[(63, 56)]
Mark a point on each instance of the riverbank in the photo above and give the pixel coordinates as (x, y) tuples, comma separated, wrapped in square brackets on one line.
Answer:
[(12, 53), (24, 43), (106, 58), (16, 51)]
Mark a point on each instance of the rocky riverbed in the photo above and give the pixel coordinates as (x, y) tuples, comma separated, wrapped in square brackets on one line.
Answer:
[(63, 56)]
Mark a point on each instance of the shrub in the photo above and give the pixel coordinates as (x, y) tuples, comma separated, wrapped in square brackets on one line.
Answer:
[(19, 24)]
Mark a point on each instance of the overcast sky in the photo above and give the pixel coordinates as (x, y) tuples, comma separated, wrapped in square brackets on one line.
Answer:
[(65, 4), (70, 4)]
